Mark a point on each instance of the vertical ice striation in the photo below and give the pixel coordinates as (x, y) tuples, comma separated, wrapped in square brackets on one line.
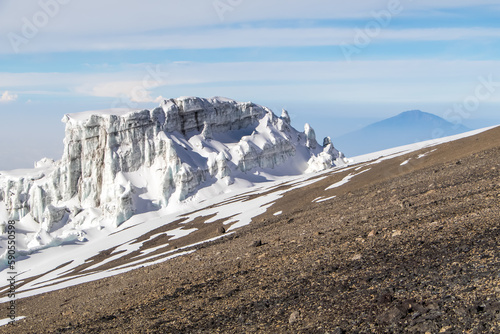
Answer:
[(310, 136)]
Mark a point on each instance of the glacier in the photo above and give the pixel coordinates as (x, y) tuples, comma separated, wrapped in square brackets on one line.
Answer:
[(120, 162)]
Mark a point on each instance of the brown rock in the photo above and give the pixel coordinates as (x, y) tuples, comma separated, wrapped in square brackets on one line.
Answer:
[(294, 317)]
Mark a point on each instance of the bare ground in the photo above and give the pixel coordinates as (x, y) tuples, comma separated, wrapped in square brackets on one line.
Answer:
[(412, 248)]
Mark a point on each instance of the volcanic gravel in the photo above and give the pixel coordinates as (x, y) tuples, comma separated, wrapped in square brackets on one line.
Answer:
[(408, 248)]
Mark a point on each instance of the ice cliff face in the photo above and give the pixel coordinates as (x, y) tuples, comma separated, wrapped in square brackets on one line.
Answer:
[(119, 162)]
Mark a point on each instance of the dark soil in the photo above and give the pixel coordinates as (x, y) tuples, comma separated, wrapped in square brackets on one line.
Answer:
[(401, 249)]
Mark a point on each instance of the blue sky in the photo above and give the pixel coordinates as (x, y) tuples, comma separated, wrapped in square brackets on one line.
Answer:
[(334, 64)]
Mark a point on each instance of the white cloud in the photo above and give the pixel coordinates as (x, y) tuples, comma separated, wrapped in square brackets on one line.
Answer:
[(133, 91), (380, 81), (159, 99), (131, 16), (8, 97), (192, 24), (384, 80), (247, 37), (115, 17)]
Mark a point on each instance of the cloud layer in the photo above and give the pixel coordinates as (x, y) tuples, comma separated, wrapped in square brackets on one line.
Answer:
[(69, 25), (8, 97)]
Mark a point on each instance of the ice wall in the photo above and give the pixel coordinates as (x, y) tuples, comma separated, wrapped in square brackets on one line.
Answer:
[(122, 161)]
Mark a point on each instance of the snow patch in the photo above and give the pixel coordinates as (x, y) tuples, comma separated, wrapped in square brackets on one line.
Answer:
[(6, 321), (345, 180), (120, 163), (425, 154), (325, 199)]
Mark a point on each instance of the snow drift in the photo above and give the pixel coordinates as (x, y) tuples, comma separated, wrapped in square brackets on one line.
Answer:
[(118, 163)]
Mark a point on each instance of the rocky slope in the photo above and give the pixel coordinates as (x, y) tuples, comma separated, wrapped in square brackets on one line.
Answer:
[(402, 248), (118, 163)]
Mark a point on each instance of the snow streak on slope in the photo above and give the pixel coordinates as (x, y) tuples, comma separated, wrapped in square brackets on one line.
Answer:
[(120, 163), (110, 251), (402, 150), (52, 269)]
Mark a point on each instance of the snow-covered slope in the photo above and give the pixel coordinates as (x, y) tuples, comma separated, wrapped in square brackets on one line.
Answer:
[(119, 163), (157, 236)]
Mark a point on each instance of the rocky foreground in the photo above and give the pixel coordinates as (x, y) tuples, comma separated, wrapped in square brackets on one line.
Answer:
[(402, 248)]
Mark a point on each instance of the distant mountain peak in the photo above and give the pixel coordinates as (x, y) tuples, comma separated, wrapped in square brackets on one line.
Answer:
[(413, 112), (416, 114), (405, 128)]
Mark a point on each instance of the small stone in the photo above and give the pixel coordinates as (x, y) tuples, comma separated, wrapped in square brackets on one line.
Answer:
[(396, 233), (360, 240), (480, 308), (256, 243), (221, 230), (419, 308), (415, 315), (392, 315), (372, 234), (294, 317), (385, 297), (432, 306), (356, 257), (405, 204)]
